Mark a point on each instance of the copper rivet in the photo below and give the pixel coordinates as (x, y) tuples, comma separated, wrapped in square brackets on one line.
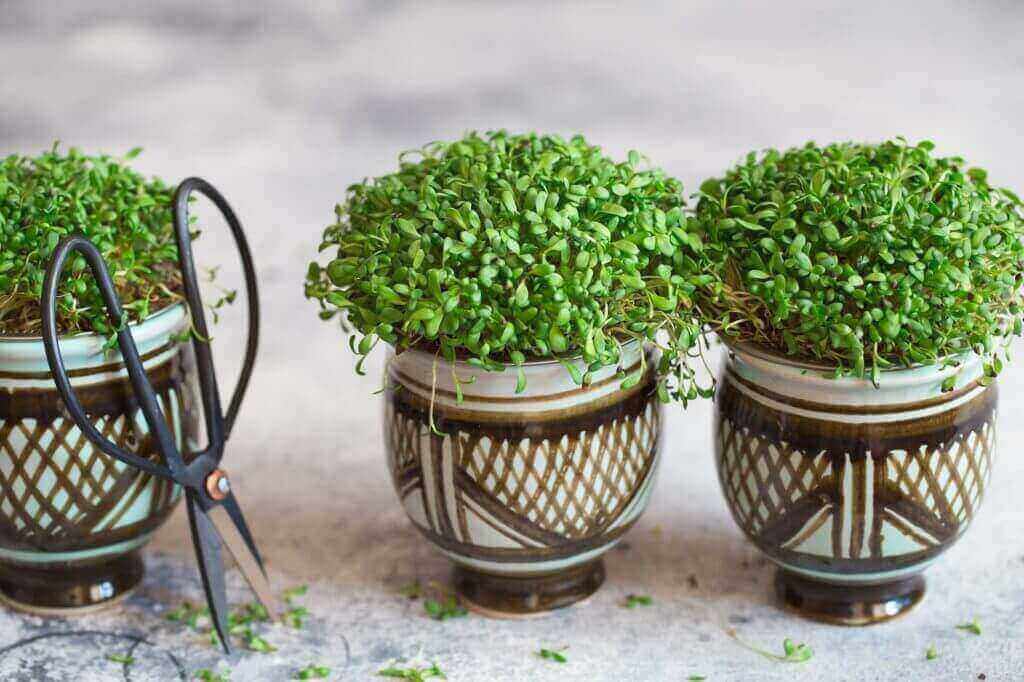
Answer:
[(217, 485)]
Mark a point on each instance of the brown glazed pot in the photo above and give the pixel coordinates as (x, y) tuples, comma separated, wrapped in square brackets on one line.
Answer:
[(72, 519), (523, 492), (851, 490)]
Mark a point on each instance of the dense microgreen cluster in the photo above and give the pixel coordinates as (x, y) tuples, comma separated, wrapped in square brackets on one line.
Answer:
[(506, 248), (128, 217), (864, 255)]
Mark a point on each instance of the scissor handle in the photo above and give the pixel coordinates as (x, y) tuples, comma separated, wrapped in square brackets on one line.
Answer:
[(137, 374), (218, 426)]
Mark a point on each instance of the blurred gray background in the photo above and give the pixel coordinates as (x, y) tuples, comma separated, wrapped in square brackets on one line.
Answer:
[(282, 104)]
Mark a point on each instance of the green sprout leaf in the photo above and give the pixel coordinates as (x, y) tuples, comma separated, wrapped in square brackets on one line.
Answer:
[(292, 592), (207, 675), (555, 655), (313, 672), (796, 653), (931, 654), (974, 627), (792, 652), (296, 616), (444, 609), (634, 600), (414, 674), (123, 659)]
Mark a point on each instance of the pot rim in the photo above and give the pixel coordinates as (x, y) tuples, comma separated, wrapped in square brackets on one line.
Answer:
[(152, 317), (558, 360), (760, 352)]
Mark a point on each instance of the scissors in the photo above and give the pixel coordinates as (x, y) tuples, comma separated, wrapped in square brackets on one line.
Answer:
[(213, 512)]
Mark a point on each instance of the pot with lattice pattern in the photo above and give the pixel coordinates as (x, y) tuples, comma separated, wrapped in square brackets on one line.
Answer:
[(72, 519), (525, 491), (852, 489)]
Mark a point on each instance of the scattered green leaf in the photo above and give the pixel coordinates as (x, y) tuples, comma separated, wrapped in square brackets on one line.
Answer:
[(292, 592), (555, 655), (414, 674), (634, 600), (313, 672), (207, 675), (444, 609), (974, 627)]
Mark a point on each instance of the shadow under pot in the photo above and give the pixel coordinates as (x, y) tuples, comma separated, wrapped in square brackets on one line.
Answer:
[(526, 491), (72, 519), (852, 490)]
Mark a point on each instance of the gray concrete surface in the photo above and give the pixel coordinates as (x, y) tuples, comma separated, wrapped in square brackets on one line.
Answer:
[(281, 104)]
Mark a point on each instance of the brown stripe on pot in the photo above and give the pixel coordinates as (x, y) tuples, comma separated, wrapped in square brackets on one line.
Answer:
[(516, 555), (457, 413), (81, 538), (504, 425), (101, 398), (877, 437)]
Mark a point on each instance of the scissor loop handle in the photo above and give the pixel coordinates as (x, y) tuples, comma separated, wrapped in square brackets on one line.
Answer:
[(218, 426), (137, 374)]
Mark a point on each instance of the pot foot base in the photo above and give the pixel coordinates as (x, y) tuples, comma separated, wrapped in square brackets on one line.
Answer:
[(848, 604), (521, 597), (70, 590)]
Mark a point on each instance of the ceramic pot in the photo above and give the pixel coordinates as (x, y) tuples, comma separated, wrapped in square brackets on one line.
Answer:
[(72, 519), (524, 492), (851, 490)]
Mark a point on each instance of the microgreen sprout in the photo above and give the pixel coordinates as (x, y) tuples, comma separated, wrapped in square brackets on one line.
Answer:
[(931, 654), (439, 602), (313, 672), (974, 627), (444, 609), (207, 675), (292, 592), (634, 600), (864, 256), (123, 659), (504, 248), (296, 616), (414, 674), (555, 655), (128, 218), (791, 651), (241, 621)]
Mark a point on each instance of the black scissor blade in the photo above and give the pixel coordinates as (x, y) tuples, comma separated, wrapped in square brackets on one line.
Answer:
[(211, 568), (236, 538), (235, 512)]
